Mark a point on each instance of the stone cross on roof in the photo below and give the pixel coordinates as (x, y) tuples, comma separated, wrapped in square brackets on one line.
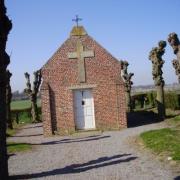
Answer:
[(80, 54), (77, 19)]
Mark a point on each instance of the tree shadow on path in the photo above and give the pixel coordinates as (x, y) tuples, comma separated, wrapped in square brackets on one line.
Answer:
[(140, 118), (74, 140), (28, 135), (78, 168), (32, 127)]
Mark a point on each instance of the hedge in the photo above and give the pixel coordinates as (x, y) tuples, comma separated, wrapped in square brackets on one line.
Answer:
[(172, 99), (23, 115)]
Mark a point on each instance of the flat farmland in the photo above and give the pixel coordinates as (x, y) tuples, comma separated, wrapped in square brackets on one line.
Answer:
[(22, 104)]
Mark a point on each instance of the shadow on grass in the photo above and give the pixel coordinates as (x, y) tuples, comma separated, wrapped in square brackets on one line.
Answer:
[(79, 168), (139, 118), (171, 116)]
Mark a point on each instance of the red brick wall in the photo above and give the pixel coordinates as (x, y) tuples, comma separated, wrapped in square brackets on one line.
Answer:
[(46, 113), (103, 71)]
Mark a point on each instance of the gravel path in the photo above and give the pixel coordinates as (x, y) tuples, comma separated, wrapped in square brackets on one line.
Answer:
[(86, 156)]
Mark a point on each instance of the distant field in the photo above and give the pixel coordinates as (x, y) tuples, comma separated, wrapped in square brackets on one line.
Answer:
[(22, 104)]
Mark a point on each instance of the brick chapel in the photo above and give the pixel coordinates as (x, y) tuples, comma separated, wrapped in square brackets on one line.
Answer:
[(82, 87)]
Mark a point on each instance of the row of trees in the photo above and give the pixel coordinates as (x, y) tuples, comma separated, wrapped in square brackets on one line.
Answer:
[(157, 63), (31, 91), (5, 91), (155, 56)]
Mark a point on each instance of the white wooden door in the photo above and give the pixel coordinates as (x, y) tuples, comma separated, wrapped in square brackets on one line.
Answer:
[(84, 109)]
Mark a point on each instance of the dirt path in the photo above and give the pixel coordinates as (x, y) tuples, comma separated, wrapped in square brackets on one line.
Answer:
[(91, 156)]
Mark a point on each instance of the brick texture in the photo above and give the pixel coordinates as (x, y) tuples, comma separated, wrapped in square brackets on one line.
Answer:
[(60, 73)]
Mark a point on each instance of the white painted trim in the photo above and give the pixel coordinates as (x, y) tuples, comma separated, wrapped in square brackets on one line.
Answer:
[(93, 112)]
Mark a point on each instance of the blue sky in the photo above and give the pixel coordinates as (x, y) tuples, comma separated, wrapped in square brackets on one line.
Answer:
[(128, 29)]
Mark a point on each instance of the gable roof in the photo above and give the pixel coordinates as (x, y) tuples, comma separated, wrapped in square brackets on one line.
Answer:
[(77, 33)]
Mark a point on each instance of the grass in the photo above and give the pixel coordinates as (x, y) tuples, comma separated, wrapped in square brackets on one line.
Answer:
[(165, 141), (176, 119), (10, 132), (174, 122), (18, 147), (23, 109), (24, 115), (24, 118), (22, 104)]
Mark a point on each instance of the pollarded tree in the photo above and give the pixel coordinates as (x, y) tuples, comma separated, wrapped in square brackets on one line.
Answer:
[(32, 93), (8, 100), (155, 56), (128, 83), (175, 44), (5, 27)]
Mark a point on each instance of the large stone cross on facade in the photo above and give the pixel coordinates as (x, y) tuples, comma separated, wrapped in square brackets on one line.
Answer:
[(80, 54)]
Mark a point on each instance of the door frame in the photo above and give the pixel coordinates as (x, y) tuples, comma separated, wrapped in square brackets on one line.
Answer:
[(74, 109)]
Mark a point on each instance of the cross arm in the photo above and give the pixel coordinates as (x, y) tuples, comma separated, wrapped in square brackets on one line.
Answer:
[(88, 53), (72, 55)]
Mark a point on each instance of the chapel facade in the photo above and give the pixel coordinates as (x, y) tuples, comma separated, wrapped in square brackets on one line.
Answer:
[(82, 87)]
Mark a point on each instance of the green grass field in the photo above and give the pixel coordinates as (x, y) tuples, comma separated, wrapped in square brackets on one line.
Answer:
[(13, 147), (22, 104), (165, 141), (23, 109)]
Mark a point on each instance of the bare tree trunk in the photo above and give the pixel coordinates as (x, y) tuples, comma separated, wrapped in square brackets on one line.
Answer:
[(5, 27), (34, 110), (3, 150), (127, 84), (160, 101), (175, 44), (155, 56), (8, 100), (32, 93), (9, 119)]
